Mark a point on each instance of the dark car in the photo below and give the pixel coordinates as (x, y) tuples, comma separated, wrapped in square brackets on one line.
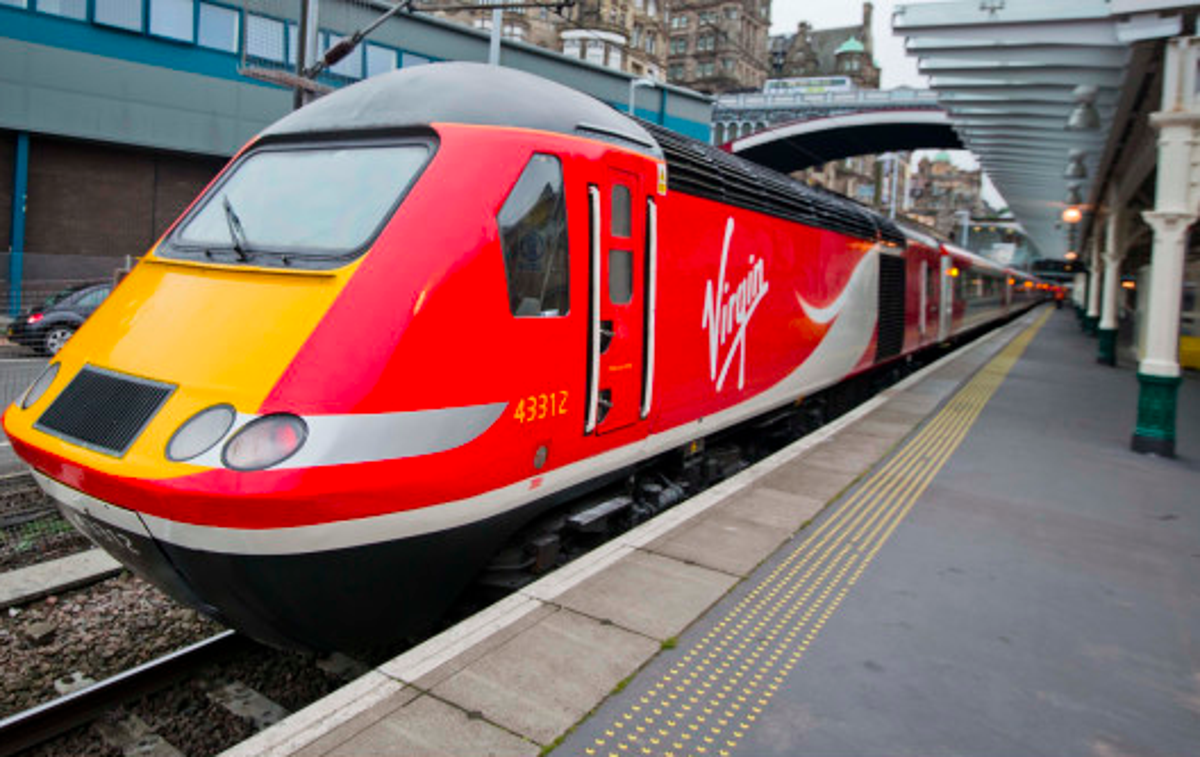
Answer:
[(47, 327)]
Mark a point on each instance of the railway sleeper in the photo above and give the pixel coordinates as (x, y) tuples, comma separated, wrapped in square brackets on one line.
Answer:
[(135, 738)]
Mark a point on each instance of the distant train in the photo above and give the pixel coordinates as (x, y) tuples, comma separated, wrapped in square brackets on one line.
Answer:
[(414, 315)]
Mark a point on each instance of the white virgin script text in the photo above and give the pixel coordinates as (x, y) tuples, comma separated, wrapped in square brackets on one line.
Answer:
[(727, 313)]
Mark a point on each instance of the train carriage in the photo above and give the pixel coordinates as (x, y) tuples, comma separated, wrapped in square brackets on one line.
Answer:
[(419, 312)]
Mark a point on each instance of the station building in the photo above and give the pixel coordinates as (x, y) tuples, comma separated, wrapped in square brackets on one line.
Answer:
[(114, 114)]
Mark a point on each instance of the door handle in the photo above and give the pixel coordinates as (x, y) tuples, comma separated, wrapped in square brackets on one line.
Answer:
[(606, 335)]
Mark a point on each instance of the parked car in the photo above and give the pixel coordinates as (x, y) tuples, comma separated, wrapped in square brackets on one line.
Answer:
[(46, 327)]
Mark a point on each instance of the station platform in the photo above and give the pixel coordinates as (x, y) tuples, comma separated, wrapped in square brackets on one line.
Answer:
[(971, 563)]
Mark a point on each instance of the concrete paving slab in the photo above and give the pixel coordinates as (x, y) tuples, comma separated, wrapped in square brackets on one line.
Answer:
[(54, 576), (545, 679), (890, 413), (359, 723), (809, 479), (771, 507), (480, 647), (430, 728), (722, 542), (916, 403), (893, 432), (651, 594), (850, 452)]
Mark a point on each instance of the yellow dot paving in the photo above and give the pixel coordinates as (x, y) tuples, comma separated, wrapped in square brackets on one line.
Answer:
[(719, 687)]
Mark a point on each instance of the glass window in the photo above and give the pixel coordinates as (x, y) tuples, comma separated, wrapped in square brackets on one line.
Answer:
[(303, 201), (125, 14), (218, 27), (68, 8), (380, 60), (173, 18), (595, 52), (351, 65), (533, 235), (293, 44), (92, 299), (409, 59), (621, 203), (620, 276), (264, 37)]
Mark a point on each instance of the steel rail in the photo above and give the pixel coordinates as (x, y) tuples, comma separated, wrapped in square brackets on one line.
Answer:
[(50, 719)]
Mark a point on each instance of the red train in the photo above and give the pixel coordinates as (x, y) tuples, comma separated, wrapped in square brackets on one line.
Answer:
[(417, 313)]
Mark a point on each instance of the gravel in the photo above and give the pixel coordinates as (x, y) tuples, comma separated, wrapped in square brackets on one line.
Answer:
[(95, 632), (31, 529)]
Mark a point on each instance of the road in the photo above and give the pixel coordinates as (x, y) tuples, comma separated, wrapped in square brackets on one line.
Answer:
[(18, 368)]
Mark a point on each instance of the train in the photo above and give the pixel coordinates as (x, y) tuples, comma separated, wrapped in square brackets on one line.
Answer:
[(417, 314)]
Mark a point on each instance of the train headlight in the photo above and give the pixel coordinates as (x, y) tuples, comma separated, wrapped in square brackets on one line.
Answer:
[(264, 442), (200, 433), (39, 386)]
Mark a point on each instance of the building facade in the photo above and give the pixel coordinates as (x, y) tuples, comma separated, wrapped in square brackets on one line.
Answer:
[(624, 35), (844, 51), (943, 195), (718, 46)]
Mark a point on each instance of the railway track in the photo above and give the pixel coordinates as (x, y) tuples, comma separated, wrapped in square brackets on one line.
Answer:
[(46, 721), (198, 700)]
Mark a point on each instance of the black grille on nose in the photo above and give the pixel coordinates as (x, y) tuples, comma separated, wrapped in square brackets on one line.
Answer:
[(103, 410)]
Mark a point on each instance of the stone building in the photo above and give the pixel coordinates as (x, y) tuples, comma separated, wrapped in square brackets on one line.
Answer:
[(942, 194), (719, 46), (626, 35), (844, 51)]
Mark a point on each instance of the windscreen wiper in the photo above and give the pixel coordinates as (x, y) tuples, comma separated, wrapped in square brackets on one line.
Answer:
[(236, 232)]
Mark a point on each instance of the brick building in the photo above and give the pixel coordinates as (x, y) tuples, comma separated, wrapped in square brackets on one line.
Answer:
[(718, 46)]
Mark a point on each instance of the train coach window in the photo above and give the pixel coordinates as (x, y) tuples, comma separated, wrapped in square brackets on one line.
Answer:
[(622, 226), (533, 234), (310, 205), (620, 276)]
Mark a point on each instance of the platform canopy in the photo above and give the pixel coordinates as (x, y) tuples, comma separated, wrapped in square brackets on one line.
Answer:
[(1032, 88)]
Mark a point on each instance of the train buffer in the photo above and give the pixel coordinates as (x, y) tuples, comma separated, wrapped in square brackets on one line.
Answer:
[(971, 563)]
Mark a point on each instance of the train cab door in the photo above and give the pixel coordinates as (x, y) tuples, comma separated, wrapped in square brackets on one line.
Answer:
[(618, 377)]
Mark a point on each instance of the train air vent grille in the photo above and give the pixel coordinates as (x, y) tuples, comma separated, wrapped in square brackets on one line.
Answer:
[(702, 170), (104, 411), (891, 306)]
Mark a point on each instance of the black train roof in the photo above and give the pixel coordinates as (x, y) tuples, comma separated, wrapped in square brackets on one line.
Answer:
[(463, 93), (473, 93)]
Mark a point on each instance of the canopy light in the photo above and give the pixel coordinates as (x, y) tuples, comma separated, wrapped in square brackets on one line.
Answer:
[(1072, 215), (1072, 255), (1084, 116)]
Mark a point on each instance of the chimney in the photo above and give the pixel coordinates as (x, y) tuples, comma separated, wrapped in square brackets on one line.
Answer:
[(868, 9)]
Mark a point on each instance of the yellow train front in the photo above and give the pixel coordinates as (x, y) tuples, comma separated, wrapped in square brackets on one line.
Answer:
[(288, 415)]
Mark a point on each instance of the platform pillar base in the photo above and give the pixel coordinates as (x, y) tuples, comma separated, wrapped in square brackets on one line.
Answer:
[(1107, 354), (1091, 324), (1155, 432)]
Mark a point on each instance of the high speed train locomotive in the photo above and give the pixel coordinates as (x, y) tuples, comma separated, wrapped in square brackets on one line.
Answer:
[(409, 317)]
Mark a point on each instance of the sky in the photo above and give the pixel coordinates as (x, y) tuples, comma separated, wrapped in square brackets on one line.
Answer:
[(899, 70)]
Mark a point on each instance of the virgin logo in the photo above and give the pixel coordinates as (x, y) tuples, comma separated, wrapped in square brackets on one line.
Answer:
[(727, 313)]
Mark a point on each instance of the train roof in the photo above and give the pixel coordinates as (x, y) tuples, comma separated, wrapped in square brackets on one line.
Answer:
[(473, 93), (463, 93)]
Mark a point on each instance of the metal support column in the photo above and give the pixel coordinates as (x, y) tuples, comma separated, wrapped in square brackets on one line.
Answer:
[(1178, 125), (16, 260), (1114, 248), (1095, 279)]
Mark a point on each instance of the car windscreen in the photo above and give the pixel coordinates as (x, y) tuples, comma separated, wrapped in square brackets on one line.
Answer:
[(293, 204)]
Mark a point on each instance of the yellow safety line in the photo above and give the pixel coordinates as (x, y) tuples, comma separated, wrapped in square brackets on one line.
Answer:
[(714, 693)]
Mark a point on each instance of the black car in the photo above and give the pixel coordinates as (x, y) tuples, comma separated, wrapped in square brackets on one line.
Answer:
[(47, 327)]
